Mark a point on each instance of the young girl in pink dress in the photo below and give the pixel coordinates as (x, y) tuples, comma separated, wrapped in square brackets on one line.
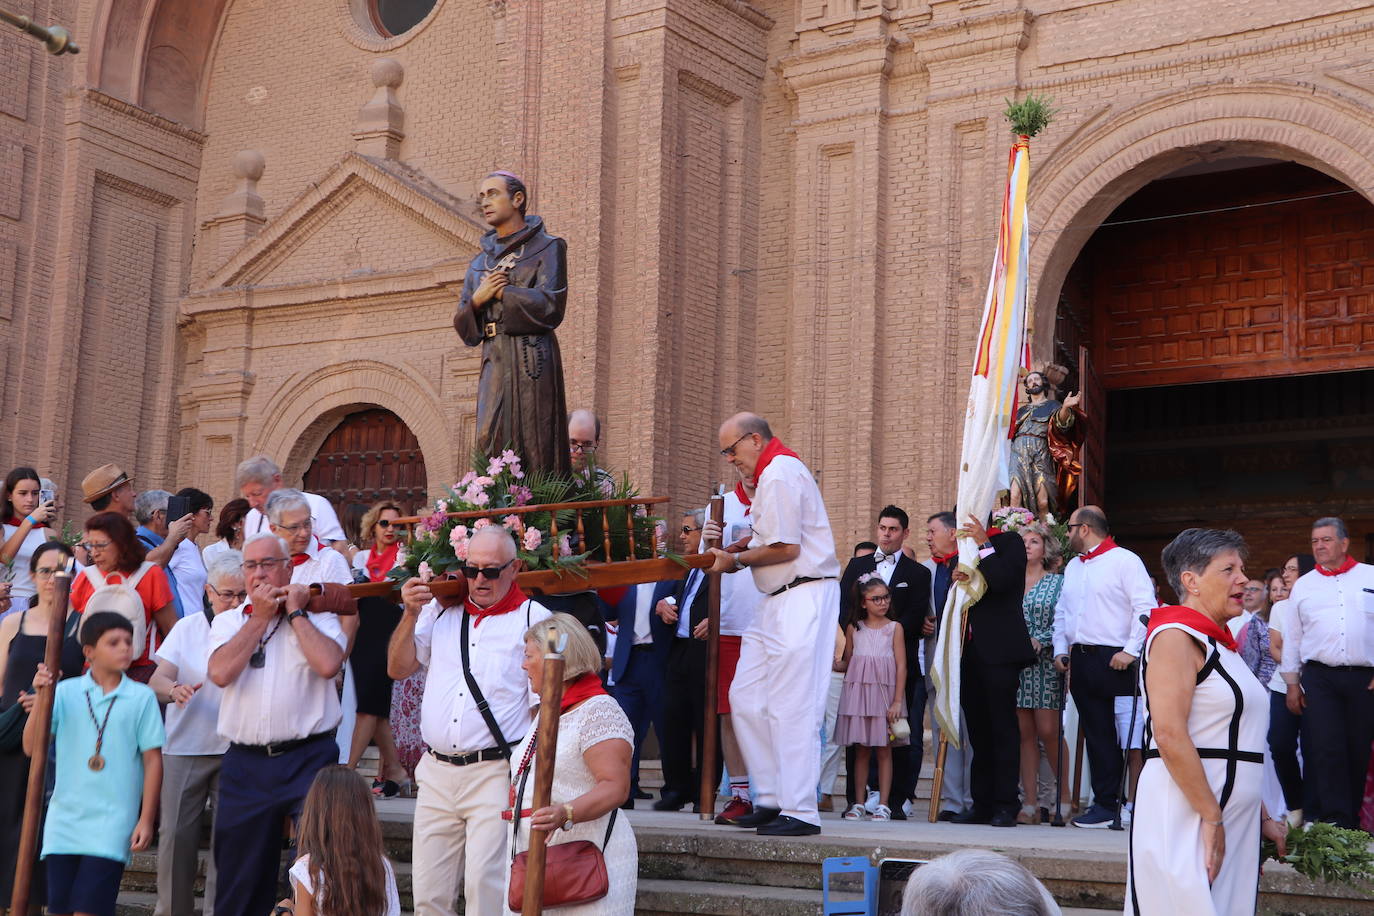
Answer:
[(875, 665)]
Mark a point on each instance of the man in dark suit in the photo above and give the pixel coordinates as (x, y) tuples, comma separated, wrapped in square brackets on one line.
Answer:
[(996, 647), (909, 583), (684, 693), (641, 652)]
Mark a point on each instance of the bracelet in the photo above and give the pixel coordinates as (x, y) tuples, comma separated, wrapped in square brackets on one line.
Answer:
[(1213, 823), (33, 522)]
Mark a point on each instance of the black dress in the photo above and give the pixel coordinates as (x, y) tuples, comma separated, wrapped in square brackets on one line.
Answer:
[(377, 619), (24, 655)]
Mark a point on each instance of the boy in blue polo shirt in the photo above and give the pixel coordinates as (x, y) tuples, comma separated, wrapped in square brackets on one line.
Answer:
[(109, 737)]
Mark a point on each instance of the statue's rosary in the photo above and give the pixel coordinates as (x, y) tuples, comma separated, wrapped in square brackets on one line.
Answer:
[(531, 354)]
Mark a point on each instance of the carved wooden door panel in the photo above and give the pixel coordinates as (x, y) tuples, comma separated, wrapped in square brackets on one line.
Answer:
[(1092, 488), (371, 455)]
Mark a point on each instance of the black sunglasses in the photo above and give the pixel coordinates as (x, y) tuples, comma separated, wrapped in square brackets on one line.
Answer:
[(491, 572), (384, 522)]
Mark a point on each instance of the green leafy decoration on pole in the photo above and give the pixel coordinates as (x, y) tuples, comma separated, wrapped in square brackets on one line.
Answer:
[(1029, 116)]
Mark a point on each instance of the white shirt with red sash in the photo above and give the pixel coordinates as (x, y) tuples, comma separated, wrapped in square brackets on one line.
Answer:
[(1105, 591)]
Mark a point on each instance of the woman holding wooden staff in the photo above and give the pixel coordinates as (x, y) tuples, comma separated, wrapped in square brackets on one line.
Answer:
[(590, 777), (23, 644)]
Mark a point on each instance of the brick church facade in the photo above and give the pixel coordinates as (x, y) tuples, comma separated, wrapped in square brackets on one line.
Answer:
[(228, 226)]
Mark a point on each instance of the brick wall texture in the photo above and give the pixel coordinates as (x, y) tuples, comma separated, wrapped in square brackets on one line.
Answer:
[(781, 205)]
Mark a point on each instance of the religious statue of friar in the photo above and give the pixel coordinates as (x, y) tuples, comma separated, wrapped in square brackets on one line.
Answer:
[(513, 298), (1046, 459)]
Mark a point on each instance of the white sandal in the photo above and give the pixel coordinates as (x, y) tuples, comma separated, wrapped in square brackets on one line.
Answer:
[(856, 813)]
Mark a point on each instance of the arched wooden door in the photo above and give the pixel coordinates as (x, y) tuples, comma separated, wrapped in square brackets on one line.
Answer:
[(371, 455)]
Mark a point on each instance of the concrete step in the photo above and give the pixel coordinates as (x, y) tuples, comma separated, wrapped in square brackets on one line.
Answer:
[(657, 897)]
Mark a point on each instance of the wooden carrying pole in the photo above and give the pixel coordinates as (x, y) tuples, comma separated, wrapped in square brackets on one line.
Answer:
[(938, 783), (38, 765), (546, 751), (706, 804)]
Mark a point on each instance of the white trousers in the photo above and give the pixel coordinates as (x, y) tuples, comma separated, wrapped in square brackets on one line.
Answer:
[(832, 755), (955, 791), (458, 827), (779, 692)]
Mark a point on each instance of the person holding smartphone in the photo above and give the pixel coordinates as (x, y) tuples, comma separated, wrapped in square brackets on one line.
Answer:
[(29, 512)]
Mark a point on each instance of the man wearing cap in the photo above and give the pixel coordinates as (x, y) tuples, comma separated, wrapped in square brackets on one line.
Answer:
[(108, 488), (778, 695)]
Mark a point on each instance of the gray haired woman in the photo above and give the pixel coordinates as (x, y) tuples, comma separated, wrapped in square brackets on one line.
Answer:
[(1206, 722), (976, 882)]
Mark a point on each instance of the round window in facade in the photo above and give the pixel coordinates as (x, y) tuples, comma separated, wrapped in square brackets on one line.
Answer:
[(396, 17)]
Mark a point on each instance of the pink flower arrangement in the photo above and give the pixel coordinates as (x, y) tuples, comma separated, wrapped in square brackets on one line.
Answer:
[(480, 524), (564, 546), (533, 538), (521, 495), (434, 521), (512, 522), (426, 573)]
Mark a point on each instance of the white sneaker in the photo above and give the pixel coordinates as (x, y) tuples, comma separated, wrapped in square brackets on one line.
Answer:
[(856, 813), (873, 801), (906, 807), (884, 813), (1126, 814)]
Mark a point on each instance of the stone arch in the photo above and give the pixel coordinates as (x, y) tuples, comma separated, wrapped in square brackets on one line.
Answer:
[(1085, 179), (156, 53), (303, 412)]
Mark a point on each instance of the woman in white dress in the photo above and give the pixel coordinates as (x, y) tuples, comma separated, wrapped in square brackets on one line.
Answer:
[(591, 776), (1195, 839)]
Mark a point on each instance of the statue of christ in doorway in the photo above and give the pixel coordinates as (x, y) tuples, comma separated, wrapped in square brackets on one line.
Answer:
[(1045, 449)]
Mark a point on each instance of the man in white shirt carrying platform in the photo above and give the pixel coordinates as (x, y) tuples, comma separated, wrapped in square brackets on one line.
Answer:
[(276, 662), (258, 478), (1098, 636), (1328, 665), (779, 691), (465, 776)]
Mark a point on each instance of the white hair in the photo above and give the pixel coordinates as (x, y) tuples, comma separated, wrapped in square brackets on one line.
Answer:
[(284, 500), (284, 547), (148, 502), (258, 469), (976, 882), (227, 566), (499, 532)]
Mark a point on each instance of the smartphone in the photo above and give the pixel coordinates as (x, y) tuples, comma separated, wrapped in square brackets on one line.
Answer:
[(46, 496), (893, 875), (178, 507)]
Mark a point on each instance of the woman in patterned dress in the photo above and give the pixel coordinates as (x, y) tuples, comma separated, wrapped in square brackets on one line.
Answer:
[(1040, 698)]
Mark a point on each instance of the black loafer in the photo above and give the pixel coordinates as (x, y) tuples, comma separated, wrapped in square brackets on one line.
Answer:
[(947, 815), (760, 817), (1002, 819), (971, 816), (784, 825), (670, 801)]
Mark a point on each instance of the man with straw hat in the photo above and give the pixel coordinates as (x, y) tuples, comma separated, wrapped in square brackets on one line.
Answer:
[(108, 488)]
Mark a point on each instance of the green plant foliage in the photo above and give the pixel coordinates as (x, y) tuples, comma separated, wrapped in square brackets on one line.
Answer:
[(1029, 116), (1326, 852)]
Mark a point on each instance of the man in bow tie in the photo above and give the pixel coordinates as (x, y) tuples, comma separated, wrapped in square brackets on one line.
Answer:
[(909, 583)]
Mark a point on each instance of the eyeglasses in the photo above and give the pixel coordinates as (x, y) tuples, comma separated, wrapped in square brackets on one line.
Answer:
[(729, 451), (240, 597), (688, 529), (879, 599), (1253, 588), (306, 525), (491, 572), (44, 572), (581, 447), (95, 545), (383, 523), (1073, 525), (252, 566)]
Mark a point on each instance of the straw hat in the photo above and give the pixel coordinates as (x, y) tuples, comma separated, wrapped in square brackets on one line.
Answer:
[(102, 481)]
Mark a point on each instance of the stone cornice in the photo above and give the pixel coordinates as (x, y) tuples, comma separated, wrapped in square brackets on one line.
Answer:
[(1004, 31), (854, 59), (143, 115), (441, 279), (748, 12)]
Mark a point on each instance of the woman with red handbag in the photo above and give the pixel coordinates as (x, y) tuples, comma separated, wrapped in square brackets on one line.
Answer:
[(593, 862)]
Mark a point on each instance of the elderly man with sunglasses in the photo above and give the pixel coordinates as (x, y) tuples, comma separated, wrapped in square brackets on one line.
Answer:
[(476, 706)]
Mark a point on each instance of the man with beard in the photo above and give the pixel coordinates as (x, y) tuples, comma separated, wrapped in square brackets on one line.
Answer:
[(513, 299), (1040, 445), (1097, 638)]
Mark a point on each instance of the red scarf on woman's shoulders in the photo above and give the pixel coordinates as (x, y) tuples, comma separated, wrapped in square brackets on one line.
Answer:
[(379, 564), (1193, 619)]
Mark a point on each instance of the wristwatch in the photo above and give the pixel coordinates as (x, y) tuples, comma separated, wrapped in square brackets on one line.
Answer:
[(298, 612), (568, 824), (739, 564)]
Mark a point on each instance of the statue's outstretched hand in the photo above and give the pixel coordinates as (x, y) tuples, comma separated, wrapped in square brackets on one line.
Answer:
[(1073, 400)]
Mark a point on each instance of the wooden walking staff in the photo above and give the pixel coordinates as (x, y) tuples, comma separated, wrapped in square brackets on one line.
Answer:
[(706, 804), (545, 752), (38, 765), (937, 782)]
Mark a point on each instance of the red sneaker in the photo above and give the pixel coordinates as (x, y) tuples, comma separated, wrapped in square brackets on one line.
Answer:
[(737, 809)]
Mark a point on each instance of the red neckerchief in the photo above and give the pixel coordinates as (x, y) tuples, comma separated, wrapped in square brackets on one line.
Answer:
[(379, 564), (940, 559), (1196, 620), (773, 449), (513, 599), (1106, 545), (298, 559), (583, 687), (1345, 567), (15, 521)]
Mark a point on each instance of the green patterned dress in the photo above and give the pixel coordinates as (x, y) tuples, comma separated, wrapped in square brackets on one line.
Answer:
[(1041, 686)]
